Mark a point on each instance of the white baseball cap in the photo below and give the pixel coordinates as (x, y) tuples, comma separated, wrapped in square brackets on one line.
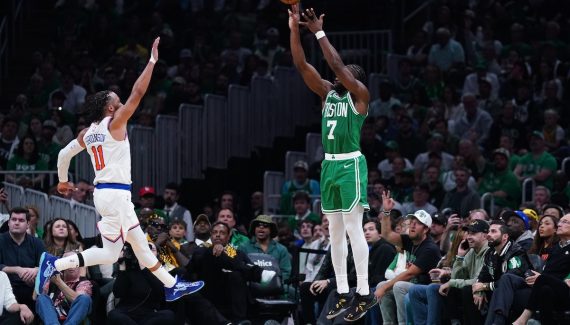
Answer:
[(422, 217)]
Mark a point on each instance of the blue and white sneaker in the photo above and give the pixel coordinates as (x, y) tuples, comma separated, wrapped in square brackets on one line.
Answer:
[(181, 289), (46, 271)]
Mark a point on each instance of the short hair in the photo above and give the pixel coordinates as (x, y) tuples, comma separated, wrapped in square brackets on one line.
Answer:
[(20, 210), (173, 186), (307, 221), (543, 188), (482, 211), (358, 72), (217, 223), (302, 195), (504, 229), (178, 222), (377, 224)]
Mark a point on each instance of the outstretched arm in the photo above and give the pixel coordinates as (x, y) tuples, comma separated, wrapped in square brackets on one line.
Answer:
[(334, 61), (310, 75), (124, 113), (64, 158)]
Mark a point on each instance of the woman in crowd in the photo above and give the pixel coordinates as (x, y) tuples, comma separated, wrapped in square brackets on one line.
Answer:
[(26, 158), (33, 227), (545, 237)]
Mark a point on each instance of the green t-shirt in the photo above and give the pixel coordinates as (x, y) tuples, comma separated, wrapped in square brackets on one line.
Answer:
[(532, 166), (18, 163), (49, 153), (506, 181), (341, 124)]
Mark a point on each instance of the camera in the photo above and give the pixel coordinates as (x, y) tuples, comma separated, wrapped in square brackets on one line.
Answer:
[(129, 258)]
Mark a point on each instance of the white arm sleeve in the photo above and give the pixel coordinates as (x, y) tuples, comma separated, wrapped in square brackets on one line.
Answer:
[(64, 158)]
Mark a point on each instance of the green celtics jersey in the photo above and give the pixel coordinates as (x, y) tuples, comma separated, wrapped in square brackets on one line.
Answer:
[(341, 124)]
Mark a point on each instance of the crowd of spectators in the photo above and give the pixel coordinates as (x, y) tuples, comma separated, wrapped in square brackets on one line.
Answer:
[(477, 106)]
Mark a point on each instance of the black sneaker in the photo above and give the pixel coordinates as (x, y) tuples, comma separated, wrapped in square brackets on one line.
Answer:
[(340, 307), (359, 307)]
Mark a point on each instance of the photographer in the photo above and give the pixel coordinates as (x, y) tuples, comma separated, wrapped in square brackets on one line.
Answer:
[(141, 294)]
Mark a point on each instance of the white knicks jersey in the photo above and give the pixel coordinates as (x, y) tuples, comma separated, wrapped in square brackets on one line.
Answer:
[(111, 159)]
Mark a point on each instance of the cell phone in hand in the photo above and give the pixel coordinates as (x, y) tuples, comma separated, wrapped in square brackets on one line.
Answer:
[(528, 273), (465, 245)]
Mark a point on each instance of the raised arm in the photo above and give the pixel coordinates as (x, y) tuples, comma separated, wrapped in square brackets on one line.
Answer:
[(391, 236), (334, 61), (310, 75), (124, 112), (64, 158)]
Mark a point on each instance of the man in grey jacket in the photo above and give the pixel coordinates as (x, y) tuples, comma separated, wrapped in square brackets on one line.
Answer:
[(428, 301)]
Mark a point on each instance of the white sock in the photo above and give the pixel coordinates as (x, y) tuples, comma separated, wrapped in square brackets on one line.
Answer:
[(68, 262), (164, 277), (353, 224), (339, 250)]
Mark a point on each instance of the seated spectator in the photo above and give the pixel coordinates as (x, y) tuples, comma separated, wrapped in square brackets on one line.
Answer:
[(263, 230), (175, 211), (471, 83), (225, 271), (66, 297), (141, 294), (428, 301), (302, 209), (381, 252), (420, 201), (423, 256), (19, 256), (499, 180), (9, 140), (519, 227), (486, 101), (448, 178), (507, 125), (473, 123), (545, 238), (461, 198), (505, 258), (472, 157), (81, 192), (435, 146), (537, 164), (553, 210), (550, 289), (34, 228), (305, 231), (554, 134), (300, 182), (177, 232), (437, 193), (437, 230), (315, 261), (446, 52), (11, 312), (385, 166), (26, 158), (237, 239), (47, 147), (147, 196), (386, 101), (58, 238), (541, 196)]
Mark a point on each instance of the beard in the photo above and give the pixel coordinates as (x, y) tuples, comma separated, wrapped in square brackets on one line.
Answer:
[(494, 242)]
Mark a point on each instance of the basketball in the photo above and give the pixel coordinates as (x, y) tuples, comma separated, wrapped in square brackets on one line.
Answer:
[(290, 2)]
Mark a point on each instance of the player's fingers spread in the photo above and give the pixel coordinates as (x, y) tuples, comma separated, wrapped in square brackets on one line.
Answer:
[(322, 16)]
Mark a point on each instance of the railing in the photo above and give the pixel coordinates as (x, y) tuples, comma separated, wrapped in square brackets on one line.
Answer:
[(528, 186), (488, 197), (12, 176), (312, 144), (365, 48)]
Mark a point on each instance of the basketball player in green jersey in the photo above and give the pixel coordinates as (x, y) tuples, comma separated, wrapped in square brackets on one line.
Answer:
[(344, 171)]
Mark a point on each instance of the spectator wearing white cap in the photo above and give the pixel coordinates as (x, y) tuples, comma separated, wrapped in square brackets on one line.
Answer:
[(422, 255)]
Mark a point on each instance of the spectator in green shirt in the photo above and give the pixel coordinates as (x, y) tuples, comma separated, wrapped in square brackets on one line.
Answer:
[(538, 164), (501, 181), (264, 230), (26, 159), (47, 148)]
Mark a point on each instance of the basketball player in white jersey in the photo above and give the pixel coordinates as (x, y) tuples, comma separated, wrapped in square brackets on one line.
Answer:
[(107, 143)]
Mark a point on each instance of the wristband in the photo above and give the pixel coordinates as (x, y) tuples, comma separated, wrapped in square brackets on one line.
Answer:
[(152, 59), (461, 258), (320, 34), (386, 213)]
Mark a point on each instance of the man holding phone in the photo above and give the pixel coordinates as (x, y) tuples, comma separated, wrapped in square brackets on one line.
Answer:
[(428, 301)]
